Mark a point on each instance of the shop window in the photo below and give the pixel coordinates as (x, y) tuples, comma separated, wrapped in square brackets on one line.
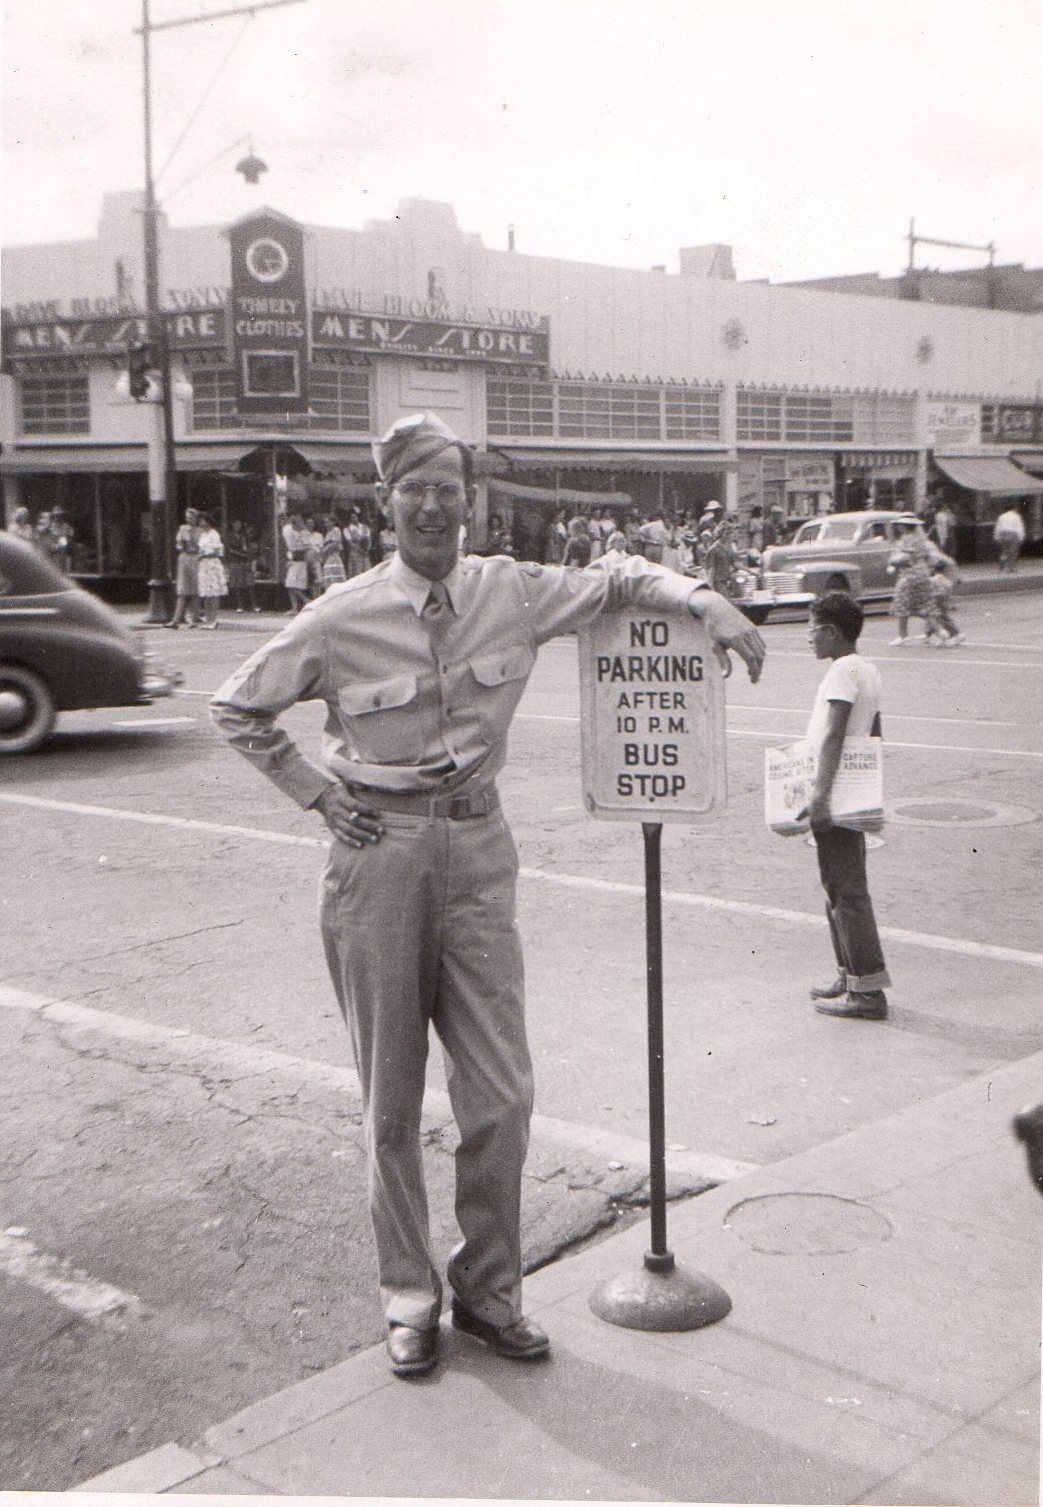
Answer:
[(603, 410), (55, 403), (882, 420), (692, 413), (816, 417), (520, 407), (338, 400), (758, 415)]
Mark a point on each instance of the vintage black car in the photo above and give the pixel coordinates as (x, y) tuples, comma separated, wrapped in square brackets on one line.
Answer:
[(61, 649)]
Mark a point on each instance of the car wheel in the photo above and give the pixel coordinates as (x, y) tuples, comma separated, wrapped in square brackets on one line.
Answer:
[(26, 710), (836, 583)]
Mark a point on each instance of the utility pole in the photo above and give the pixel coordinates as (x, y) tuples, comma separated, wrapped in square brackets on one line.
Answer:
[(162, 459)]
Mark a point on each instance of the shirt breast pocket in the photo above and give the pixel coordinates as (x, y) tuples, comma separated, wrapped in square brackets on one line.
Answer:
[(501, 680), (381, 720)]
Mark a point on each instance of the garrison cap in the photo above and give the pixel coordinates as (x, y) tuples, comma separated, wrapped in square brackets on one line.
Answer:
[(410, 442)]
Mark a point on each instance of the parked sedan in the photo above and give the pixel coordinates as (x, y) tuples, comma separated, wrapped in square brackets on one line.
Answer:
[(842, 552), (61, 649)]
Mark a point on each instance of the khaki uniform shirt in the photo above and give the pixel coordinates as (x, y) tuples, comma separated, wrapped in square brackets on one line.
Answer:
[(412, 707)]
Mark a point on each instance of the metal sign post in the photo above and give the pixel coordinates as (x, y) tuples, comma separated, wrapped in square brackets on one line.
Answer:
[(653, 748)]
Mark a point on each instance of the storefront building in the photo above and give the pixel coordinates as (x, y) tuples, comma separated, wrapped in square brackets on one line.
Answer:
[(580, 386)]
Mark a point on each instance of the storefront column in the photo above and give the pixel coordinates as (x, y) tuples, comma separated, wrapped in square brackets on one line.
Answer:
[(479, 528), (729, 433), (922, 440)]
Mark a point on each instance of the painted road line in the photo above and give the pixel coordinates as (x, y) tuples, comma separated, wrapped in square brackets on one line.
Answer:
[(954, 657), (749, 706), (574, 881), (794, 917), (59, 1279), (154, 722), (743, 732), (240, 1059), (1000, 753), (153, 819), (798, 711)]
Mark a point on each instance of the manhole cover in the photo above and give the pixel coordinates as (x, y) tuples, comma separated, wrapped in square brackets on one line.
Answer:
[(956, 811), (806, 1224)]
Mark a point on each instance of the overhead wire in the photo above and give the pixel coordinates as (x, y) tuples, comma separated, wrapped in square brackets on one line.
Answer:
[(196, 112)]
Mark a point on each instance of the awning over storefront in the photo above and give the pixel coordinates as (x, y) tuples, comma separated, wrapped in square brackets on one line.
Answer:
[(993, 474), (209, 457), (1031, 463), (651, 462), (54, 460), (352, 459), (556, 497)]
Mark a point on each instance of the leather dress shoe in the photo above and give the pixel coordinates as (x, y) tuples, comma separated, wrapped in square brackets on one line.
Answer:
[(832, 990), (522, 1340), (870, 1006), (411, 1351)]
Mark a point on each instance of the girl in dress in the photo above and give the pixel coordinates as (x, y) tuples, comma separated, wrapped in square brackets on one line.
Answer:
[(213, 583), (186, 543)]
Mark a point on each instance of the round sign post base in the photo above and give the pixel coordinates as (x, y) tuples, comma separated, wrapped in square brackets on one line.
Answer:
[(662, 1296)]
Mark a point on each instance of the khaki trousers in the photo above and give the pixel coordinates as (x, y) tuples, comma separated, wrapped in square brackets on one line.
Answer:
[(420, 930)]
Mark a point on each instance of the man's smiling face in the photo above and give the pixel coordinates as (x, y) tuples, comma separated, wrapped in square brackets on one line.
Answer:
[(428, 507)]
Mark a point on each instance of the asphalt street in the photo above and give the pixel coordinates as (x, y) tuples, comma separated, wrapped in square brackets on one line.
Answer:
[(183, 1225)]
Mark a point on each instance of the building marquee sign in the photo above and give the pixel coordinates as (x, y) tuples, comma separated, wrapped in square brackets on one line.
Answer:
[(383, 334), (264, 318)]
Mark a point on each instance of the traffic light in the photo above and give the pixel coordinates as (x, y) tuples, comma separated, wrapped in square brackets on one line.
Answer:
[(139, 365)]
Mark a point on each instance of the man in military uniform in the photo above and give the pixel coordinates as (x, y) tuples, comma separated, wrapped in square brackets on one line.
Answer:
[(421, 662)]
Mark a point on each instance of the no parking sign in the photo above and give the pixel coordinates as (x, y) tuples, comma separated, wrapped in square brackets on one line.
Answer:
[(652, 699), (652, 702)]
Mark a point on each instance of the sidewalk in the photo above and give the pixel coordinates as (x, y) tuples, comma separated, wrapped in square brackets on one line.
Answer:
[(975, 580), (883, 1347)]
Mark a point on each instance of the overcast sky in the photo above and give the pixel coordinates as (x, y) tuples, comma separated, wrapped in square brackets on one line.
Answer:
[(804, 133)]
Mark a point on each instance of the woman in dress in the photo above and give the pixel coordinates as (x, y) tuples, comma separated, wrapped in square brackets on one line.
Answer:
[(332, 553), (186, 543), (914, 592), (213, 583), (297, 540), (358, 544)]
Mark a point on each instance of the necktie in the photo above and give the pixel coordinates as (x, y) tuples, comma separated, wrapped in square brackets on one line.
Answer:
[(436, 607)]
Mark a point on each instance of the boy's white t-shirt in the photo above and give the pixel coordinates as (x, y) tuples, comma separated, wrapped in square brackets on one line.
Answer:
[(853, 679)]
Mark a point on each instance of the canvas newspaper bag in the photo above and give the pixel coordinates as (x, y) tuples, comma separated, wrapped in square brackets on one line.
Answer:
[(857, 798)]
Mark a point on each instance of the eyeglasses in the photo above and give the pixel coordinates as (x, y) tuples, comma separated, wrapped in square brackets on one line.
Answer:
[(447, 493)]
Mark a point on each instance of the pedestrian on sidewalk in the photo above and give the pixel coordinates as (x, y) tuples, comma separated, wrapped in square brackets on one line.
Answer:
[(186, 545), (297, 540), (421, 662), (213, 583), (847, 705), (1008, 535)]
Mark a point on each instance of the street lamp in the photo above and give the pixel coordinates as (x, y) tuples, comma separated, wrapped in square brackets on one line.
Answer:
[(162, 462)]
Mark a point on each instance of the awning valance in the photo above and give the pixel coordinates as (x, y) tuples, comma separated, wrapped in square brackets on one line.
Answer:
[(993, 474), (885, 464), (354, 459), (1033, 464), (653, 462), (556, 497)]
